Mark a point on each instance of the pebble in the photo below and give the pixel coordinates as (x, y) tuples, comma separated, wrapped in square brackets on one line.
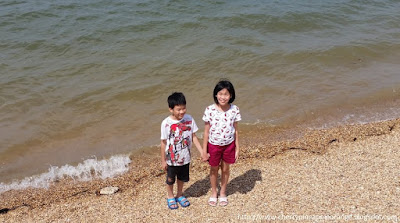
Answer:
[(109, 190)]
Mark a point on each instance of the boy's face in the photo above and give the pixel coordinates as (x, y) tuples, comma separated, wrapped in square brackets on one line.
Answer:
[(178, 111)]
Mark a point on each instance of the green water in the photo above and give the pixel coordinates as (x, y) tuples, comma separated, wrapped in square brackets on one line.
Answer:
[(90, 78)]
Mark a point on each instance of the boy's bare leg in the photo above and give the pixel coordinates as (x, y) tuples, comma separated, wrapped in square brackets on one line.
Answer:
[(180, 188), (224, 178), (170, 188), (170, 191)]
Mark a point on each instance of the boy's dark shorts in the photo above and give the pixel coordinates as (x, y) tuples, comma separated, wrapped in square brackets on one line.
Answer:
[(180, 172)]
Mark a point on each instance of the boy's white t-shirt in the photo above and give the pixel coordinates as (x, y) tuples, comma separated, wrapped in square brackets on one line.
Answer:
[(222, 131), (178, 134)]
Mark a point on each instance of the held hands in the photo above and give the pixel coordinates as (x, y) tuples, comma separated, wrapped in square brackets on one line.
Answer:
[(205, 157)]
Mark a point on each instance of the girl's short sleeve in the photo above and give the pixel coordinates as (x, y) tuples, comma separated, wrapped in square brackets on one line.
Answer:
[(238, 117), (206, 117)]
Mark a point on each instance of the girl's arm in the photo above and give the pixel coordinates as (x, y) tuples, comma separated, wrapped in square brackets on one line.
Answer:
[(205, 140), (163, 161), (235, 125)]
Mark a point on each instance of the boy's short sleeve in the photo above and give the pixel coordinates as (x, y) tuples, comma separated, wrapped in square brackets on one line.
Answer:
[(164, 134), (194, 126)]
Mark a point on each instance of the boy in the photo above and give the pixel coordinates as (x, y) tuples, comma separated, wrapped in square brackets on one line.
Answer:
[(177, 133)]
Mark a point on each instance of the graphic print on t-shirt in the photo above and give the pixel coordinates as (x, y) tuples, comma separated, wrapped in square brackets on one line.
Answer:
[(178, 141)]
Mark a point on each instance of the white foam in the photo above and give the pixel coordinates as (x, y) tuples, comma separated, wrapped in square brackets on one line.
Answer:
[(88, 170)]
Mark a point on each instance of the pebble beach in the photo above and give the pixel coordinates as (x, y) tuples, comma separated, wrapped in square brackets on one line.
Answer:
[(343, 174), (83, 89)]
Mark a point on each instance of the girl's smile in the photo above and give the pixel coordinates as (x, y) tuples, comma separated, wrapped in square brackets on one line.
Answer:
[(223, 97)]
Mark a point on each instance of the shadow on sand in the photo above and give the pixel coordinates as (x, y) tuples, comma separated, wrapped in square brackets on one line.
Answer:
[(242, 184)]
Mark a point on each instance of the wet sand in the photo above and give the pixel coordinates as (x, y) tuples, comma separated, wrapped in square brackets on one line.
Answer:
[(343, 174)]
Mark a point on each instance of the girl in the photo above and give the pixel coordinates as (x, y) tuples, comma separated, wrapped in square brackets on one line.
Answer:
[(221, 138)]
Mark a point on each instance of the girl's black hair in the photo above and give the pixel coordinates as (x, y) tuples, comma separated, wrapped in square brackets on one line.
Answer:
[(176, 98), (228, 86)]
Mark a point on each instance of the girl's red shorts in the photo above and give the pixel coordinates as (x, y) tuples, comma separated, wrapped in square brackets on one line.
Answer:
[(218, 153)]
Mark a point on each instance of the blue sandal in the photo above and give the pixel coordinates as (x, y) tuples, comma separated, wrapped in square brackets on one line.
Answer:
[(183, 201), (172, 203)]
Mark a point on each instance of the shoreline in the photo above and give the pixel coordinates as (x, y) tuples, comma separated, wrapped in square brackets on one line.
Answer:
[(141, 194), (319, 119)]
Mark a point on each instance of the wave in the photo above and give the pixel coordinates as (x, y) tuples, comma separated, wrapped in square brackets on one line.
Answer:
[(86, 171)]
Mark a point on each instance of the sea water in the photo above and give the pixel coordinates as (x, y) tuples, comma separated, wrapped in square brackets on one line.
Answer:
[(85, 79)]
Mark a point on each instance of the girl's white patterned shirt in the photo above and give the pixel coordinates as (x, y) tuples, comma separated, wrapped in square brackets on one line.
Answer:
[(222, 131)]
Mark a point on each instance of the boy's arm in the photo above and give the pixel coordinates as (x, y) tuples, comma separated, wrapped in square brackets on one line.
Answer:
[(197, 144), (235, 125), (205, 140), (163, 158)]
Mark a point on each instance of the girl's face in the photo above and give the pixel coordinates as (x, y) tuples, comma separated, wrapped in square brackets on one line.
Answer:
[(223, 97)]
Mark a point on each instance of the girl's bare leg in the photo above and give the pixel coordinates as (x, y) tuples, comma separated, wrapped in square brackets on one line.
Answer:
[(213, 180), (224, 178)]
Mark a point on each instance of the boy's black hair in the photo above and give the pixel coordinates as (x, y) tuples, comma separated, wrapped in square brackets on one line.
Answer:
[(176, 98), (224, 83)]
